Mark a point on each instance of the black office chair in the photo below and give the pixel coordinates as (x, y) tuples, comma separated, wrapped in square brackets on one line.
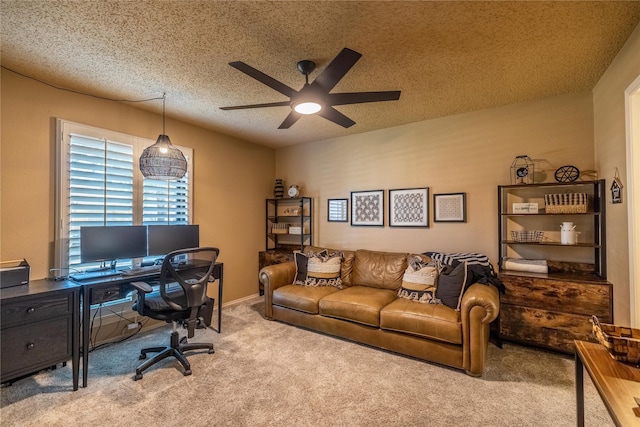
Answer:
[(187, 304)]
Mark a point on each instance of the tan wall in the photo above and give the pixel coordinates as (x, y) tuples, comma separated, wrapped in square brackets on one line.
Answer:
[(610, 149), (231, 177), (469, 153)]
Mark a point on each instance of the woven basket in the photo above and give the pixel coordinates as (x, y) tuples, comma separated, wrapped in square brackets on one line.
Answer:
[(622, 343), (280, 228), (527, 236), (566, 203)]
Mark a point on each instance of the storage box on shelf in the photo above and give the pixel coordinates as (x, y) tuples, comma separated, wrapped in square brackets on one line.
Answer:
[(553, 309)]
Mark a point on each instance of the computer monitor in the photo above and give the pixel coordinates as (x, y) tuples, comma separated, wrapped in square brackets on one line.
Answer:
[(109, 243), (163, 239)]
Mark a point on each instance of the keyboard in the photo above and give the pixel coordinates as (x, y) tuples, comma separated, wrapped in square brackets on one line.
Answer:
[(94, 275), (139, 271)]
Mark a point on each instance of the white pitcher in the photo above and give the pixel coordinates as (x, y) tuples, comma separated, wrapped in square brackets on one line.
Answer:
[(568, 233)]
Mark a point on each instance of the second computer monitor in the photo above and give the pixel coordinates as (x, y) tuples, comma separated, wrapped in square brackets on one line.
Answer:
[(163, 239)]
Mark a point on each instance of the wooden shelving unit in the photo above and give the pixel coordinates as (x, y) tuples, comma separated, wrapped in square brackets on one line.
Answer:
[(553, 309)]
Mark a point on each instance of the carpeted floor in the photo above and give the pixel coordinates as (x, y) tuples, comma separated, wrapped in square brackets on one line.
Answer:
[(270, 374)]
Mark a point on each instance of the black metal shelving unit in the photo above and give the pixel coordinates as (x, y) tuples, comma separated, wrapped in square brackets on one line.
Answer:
[(289, 223), (591, 245)]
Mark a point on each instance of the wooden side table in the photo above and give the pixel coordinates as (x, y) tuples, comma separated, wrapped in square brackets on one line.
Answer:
[(616, 382), (271, 257)]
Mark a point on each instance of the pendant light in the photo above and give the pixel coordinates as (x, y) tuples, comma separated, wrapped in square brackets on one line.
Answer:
[(162, 160)]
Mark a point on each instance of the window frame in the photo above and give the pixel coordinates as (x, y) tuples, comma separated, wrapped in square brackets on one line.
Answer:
[(64, 129)]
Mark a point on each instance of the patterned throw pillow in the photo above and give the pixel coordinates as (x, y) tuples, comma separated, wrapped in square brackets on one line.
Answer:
[(318, 268), (419, 281)]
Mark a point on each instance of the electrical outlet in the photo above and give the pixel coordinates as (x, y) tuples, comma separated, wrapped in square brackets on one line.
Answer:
[(132, 326)]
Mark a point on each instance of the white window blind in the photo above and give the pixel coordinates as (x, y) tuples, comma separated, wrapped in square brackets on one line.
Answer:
[(100, 187), (165, 202), (99, 183)]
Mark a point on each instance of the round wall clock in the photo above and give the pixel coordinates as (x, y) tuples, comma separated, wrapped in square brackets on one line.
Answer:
[(522, 172), (293, 191), (567, 173)]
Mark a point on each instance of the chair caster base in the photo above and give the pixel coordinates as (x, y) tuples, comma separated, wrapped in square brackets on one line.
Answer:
[(177, 349)]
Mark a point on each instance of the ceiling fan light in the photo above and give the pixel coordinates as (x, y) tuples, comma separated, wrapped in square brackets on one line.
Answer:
[(307, 107)]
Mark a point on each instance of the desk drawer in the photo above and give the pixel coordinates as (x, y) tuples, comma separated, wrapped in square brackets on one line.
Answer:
[(27, 348), (23, 311), (106, 294)]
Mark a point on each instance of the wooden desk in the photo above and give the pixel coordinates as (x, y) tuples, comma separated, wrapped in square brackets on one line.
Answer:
[(117, 287), (616, 382), (40, 328)]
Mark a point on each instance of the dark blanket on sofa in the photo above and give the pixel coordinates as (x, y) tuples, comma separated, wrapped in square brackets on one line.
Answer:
[(477, 264)]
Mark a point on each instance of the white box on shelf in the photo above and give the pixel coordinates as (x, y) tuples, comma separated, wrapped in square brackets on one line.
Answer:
[(295, 230), (525, 208)]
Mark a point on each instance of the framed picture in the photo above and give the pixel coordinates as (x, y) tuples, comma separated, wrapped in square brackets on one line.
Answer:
[(409, 207), (367, 208), (450, 207), (337, 210)]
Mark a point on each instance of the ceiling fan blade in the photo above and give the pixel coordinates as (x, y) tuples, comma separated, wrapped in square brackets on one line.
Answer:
[(336, 70), (361, 97), (336, 116), (290, 120), (263, 78), (269, 104)]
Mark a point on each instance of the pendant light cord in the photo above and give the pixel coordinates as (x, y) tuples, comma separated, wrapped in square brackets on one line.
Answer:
[(80, 92), (164, 97)]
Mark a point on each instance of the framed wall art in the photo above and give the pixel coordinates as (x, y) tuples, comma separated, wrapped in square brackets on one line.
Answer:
[(409, 207), (367, 208), (450, 207), (337, 210)]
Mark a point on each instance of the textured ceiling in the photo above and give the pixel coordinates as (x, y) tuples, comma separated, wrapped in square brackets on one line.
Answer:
[(446, 57)]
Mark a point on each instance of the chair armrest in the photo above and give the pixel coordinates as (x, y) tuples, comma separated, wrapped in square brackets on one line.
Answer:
[(272, 277), (480, 306), (142, 287)]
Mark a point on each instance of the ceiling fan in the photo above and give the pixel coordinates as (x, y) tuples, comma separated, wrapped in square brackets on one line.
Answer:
[(315, 98)]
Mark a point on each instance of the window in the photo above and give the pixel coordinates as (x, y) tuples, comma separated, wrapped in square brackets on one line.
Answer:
[(99, 183)]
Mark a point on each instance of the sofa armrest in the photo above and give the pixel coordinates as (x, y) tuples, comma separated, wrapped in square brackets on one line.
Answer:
[(272, 277), (480, 306)]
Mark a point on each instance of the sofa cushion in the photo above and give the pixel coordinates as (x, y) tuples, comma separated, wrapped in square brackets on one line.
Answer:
[(318, 269), (434, 321), (360, 304), (382, 270), (301, 298), (452, 283)]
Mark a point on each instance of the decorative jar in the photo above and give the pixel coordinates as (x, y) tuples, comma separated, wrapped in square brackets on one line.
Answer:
[(278, 189)]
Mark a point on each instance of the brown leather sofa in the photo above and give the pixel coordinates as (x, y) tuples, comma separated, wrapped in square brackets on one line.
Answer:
[(367, 310)]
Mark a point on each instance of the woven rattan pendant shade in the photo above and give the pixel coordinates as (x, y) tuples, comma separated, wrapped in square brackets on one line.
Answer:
[(162, 160)]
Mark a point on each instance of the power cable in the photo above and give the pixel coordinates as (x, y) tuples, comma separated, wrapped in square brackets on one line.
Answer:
[(78, 92)]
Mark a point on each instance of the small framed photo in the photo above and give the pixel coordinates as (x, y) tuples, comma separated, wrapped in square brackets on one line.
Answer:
[(450, 207), (337, 210), (409, 207), (367, 208)]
